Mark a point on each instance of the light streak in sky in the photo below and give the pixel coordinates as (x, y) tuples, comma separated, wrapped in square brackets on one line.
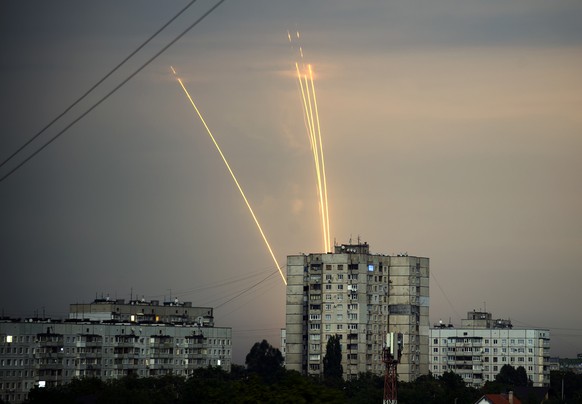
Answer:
[(305, 78), (231, 174)]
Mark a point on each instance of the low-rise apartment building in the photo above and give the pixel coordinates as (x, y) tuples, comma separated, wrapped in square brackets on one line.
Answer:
[(48, 352), (481, 346)]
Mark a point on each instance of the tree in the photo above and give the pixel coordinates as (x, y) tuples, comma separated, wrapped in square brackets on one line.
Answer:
[(513, 377), (264, 360), (332, 361)]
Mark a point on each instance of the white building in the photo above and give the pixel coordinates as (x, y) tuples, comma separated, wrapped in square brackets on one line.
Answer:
[(481, 346), (360, 297), (45, 352)]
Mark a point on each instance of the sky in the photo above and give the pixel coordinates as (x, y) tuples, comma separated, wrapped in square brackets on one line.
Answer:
[(451, 130)]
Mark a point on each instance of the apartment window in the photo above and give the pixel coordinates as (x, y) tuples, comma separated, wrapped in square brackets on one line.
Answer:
[(328, 267), (340, 287), (328, 287), (340, 267), (340, 327), (340, 277), (328, 277), (328, 317), (435, 341), (435, 349), (328, 306), (315, 326)]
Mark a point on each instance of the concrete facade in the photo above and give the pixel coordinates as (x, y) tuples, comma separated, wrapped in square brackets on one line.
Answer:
[(142, 311), (44, 352), (360, 297), (479, 349)]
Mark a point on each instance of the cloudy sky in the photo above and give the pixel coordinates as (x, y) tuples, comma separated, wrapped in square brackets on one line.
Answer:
[(451, 129)]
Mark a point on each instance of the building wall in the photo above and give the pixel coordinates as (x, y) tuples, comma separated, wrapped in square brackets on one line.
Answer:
[(142, 311), (360, 297), (478, 354), (49, 353)]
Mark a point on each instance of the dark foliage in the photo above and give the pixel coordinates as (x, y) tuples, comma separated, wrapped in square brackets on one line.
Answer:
[(264, 360), (332, 362), (572, 387)]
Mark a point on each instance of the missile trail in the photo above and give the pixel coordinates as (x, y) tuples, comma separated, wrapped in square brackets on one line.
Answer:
[(322, 160), (231, 174), (310, 127), (306, 80)]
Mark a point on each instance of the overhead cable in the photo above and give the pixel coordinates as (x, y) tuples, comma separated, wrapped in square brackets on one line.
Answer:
[(113, 91)]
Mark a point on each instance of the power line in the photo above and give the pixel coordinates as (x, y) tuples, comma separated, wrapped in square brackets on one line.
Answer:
[(97, 84), (247, 289), (444, 294), (114, 90), (214, 285)]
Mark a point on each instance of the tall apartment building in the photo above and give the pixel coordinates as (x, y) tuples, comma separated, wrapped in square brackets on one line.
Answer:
[(45, 352), (481, 346), (360, 297)]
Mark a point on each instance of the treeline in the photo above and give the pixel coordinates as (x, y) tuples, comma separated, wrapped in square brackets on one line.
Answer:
[(214, 385), (265, 380)]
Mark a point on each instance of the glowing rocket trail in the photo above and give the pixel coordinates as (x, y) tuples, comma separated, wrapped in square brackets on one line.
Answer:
[(322, 159), (305, 78), (309, 125), (231, 173)]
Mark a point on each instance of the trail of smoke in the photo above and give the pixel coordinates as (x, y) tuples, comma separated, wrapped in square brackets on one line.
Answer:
[(231, 174)]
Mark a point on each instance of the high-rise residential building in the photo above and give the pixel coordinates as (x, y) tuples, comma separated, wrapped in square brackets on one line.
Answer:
[(109, 339), (482, 345), (360, 297)]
